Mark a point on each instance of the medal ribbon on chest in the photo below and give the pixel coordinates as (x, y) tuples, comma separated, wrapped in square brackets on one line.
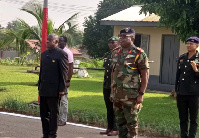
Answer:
[(130, 51)]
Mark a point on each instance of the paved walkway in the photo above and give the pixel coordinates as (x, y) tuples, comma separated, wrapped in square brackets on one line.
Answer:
[(12, 126)]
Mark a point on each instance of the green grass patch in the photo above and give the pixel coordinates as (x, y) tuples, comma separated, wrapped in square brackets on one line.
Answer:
[(159, 113), (18, 105)]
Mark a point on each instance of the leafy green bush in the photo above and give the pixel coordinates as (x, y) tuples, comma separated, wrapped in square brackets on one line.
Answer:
[(94, 63), (86, 65), (87, 117), (18, 105), (18, 61), (6, 61)]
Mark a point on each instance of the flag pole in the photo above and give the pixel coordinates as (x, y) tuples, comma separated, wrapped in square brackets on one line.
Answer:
[(44, 30)]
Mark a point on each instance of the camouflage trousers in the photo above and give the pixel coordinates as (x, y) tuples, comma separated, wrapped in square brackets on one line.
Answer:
[(126, 113)]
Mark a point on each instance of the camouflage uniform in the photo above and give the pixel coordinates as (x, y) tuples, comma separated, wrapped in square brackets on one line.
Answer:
[(125, 87)]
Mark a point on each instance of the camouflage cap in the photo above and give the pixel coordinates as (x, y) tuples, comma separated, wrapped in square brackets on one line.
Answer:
[(193, 39), (113, 38), (127, 31)]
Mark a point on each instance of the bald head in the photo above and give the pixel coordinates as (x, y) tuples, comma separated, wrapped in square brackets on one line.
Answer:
[(52, 41)]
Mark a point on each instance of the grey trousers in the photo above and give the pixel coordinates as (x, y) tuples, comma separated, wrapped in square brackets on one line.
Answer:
[(63, 110)]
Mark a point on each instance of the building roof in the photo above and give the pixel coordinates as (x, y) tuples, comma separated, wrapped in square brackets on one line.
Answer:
[(35, 44), (151, 18), (131, 17), (75, 51)]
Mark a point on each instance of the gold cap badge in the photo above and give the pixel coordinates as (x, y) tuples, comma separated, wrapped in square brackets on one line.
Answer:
[(126, 29)]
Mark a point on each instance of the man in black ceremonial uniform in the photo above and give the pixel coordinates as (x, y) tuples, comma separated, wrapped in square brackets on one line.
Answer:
[(52, 84), (112, 128), (187, 88)]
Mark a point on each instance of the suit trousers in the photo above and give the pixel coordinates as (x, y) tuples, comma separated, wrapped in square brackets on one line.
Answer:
[(188, 105), (110, 110), (63, 108), (49, 115)]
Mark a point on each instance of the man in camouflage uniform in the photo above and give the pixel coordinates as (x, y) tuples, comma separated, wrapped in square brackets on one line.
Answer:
[(130, 76), (112, 128)]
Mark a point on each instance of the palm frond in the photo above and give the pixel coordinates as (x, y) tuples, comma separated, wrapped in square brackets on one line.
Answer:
[(68, 21), (50, 27), (6, 41), (39, 19), (35, 9), (30, 29), (72, 29)]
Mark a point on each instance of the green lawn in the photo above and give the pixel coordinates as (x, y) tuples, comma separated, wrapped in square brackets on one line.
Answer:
[(159, 112)]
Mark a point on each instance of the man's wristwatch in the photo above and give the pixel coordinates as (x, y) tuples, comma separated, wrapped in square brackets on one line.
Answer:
[(141, 93)]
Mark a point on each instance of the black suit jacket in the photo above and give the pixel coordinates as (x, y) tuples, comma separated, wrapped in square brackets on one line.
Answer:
[(187, 81), (53, 73)]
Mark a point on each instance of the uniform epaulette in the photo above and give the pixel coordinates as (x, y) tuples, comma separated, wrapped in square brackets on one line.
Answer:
[(140, 49), (181, 56)]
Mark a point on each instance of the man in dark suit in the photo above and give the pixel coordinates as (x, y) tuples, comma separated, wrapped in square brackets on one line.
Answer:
[(52, 84)]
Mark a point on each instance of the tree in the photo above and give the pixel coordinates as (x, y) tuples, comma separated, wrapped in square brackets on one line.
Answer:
[(24, 31), (182, 16), (1, 27), (13, 24), (66, 28), (5, 42), (95, 35)]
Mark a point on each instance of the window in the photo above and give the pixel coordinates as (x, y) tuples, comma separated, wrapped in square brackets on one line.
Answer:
[(142, 41)]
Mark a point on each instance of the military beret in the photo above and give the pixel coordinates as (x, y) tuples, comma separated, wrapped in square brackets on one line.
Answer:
[(127, 31), (113, 38), (193, 39)]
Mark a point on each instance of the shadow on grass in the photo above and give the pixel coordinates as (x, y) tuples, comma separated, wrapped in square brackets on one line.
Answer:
[(18, 83), (92, 103), (86, 86), (23, 71), (2, 89)]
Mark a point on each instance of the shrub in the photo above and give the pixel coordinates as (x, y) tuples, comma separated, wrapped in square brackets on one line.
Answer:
[(94, 63), (17, 105), (19, 61)]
